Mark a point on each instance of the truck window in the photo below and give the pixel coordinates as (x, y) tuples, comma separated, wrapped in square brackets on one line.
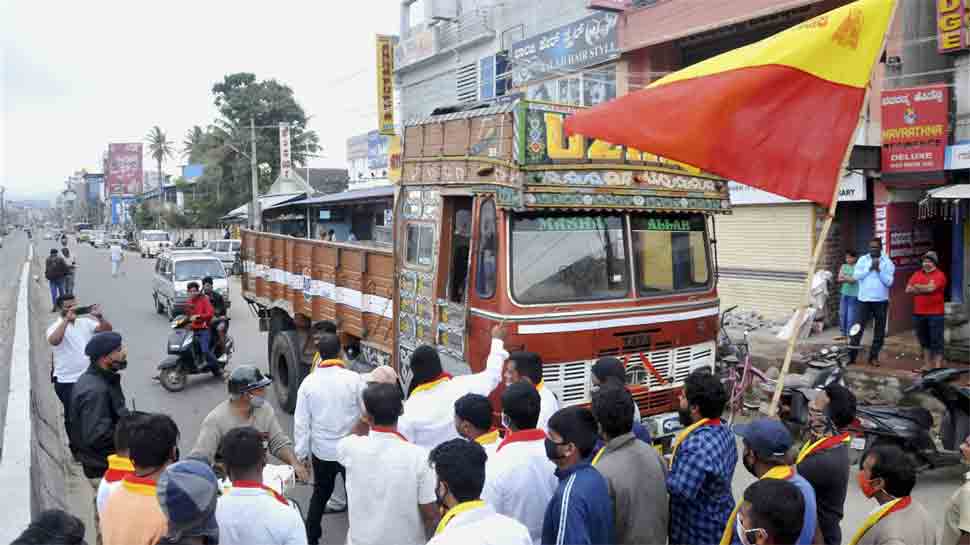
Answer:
[(461, 236), (568, 257), (487, 251), (420, 244), (670, 253), (198, 269)]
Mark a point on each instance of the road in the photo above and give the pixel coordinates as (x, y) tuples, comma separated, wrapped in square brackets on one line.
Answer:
[(12, 258), (127, 303)]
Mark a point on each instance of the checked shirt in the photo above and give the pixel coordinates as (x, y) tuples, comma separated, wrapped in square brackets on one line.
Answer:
[(700, 486)]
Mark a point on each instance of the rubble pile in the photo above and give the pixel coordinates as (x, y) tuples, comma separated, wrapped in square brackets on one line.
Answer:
[(750, 320)]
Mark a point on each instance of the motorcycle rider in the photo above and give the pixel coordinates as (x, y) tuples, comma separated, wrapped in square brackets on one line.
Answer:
[(200, 314), (219, 303), (246, 406)]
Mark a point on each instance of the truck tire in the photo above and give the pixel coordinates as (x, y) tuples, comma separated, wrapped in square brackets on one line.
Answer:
[(286, 366)]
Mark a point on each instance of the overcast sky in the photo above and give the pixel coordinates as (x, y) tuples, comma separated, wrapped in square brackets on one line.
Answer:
[(77, 75)]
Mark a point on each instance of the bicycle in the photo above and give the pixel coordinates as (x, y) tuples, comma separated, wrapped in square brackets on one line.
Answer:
[(738, 382)]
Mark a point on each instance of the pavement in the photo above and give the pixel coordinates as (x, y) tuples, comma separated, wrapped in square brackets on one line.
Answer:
[(127, 303), (12, 257)]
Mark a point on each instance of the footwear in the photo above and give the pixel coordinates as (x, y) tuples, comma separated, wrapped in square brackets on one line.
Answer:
[(223, 358), (875, 363)]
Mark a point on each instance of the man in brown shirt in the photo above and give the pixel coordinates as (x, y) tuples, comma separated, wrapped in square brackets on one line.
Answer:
[(889, 476)]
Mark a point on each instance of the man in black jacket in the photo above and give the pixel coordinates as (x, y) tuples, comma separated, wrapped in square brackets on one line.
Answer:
[(97, 403)]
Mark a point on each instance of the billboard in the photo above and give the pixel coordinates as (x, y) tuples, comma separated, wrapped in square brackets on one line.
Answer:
[(588, 41), (124, 169), (385, 84), (915, 123), (953, 25), (377, 149), (122, 209), (94, 181)]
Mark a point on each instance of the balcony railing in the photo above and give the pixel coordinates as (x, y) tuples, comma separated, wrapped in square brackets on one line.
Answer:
[(444, 35)]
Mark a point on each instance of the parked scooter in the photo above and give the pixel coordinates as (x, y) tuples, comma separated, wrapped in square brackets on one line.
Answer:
[(185, 356), (910, 427)]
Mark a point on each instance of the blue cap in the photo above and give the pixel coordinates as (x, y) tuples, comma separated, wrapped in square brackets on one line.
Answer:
[(767, 437), (187, 493), (102, 344)]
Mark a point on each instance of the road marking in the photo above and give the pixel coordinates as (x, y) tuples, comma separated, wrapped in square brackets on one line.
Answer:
[(15, 458)]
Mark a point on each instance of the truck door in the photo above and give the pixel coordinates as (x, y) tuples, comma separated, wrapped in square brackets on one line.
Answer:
[(451, 292)]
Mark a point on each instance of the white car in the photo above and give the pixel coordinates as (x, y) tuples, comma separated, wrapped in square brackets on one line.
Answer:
[(99, 239)]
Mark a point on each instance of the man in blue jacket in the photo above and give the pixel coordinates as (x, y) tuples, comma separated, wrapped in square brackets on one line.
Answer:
[(874, 274), (580, 512)]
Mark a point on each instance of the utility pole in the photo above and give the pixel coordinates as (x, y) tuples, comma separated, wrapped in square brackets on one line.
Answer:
[(3, 209), (256, 220)]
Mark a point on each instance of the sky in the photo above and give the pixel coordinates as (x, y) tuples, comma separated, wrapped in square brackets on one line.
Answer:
[(75, 76)]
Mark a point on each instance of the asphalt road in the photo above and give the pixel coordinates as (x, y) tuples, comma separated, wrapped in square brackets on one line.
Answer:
[(127, 303)]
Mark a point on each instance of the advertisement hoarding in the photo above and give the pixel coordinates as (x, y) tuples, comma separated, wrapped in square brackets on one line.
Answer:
[(588, 41), (953, 25), (377, 148), (124, 172), (852, 187), (122, 209), (915, 124), (95, 182), (385, 84)]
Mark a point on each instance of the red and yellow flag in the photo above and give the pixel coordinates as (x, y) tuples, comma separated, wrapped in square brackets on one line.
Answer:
[(777, 114)]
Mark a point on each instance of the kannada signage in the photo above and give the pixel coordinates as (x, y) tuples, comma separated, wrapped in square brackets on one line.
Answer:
[(286, 161), (914, 128), (588, 41), (124, 172), (953, 25), (385, 84)]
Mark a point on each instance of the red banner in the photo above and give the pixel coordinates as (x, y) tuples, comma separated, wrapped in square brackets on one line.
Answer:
[(124, 173), (915, 125)]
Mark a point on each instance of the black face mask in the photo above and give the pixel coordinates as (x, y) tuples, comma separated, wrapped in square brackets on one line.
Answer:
[(552, 451), (875, 253), (684, 416), (440, 499), (119, 365), (747, 465)]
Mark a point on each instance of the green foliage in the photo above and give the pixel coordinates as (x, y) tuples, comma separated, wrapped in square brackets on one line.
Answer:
[(193, 146), (144, 216)]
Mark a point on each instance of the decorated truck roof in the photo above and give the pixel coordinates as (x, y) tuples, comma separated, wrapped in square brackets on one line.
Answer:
[(519, 151)]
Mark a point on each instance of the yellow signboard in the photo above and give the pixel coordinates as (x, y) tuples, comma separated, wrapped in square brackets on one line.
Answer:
[(385, 84), (394, 159)]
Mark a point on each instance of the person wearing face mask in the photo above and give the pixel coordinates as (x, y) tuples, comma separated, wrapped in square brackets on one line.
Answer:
[(928, 286), (580, 511), (874, 275), (528, 366), (956, 519), (132, 515), (824, 459), (246, 406), (519, 477), (766, 445), (465, 518), (771, 513), (473, 421), (97, 403), (888, 475), (702, 464), (610, 369)]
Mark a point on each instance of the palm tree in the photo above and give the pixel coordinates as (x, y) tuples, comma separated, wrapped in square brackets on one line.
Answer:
[(160, 148), (192, 144)]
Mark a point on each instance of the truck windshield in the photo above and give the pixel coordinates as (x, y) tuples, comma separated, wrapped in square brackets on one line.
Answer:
[(565, 257), (670, 253), (198, 269)]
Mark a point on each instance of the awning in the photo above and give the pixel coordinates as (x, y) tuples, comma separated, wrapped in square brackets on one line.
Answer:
[(265, 201), (950, 192), (947, 202), (382, 192)]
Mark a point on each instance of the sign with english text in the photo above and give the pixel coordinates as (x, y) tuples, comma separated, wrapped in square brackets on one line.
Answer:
[(915, 125), (588, 41), (851, 188)]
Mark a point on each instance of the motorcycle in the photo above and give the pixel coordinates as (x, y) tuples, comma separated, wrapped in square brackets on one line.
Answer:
[(910, 427), (185, 356)]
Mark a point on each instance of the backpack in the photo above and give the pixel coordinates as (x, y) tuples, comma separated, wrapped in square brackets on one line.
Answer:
[(54, 269)]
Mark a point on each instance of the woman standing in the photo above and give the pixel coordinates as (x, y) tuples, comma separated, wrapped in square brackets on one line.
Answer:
[(849, 291)]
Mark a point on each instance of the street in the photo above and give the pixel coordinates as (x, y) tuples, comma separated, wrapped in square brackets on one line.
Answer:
[(127, 303)]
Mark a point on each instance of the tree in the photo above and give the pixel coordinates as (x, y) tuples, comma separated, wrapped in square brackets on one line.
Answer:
[(193, 146), (160, 148)]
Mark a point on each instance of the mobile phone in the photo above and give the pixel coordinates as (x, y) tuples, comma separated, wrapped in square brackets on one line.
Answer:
[(80, 311)]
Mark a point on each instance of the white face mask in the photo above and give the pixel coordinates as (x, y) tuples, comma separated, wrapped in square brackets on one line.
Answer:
[(256, 401), (742, 532)]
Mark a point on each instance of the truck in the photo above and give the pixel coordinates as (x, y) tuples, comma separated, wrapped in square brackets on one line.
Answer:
[(583, 249)]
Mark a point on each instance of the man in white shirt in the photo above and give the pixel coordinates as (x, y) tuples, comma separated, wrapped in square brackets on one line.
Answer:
[(390, 486), (429, 412), (520, 478), (528, 366), (250, 512), (327, 407), (473, 421), (68, 336), (460, 467), (117, 257)]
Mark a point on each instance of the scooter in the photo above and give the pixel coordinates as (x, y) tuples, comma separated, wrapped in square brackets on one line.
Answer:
[(910, 427), (185, 356)]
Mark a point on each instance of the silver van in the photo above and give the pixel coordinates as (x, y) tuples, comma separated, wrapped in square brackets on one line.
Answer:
[(175, 268), (226, 250)]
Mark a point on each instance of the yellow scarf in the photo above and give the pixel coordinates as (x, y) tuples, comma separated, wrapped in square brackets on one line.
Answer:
[(822, 444), (683, 435), (320, 362), (895, 505), (778, 472), (487, 438), (457, 510), (598, 456), (429, 385)]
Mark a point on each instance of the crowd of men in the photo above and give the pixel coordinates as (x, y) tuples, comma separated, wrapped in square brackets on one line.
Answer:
[(431, 466)]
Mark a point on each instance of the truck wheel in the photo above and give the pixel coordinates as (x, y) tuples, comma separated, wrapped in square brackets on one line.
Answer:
[(286, 367)]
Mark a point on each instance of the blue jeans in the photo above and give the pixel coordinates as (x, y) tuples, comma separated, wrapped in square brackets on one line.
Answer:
[(847, 312), (205, 345), (57, 289)]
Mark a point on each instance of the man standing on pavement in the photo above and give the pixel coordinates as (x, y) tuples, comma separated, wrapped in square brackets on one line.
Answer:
[(250, 512), (888, 476), (467, 519), (874, 274), (580, 510), (68, 336), (473, 421), (54, 271), (771, 513), (132, 515), (519, 478), (392, 501), (634, 472), (702, 464), (200, 314), (429, 412), (117, 258), (246, 406), (327, 407), (824, 459), (528, 366), (766, 445), (71, 267), (928, 286)]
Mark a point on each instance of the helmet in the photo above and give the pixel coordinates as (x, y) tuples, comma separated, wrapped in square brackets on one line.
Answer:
[(247, 377)]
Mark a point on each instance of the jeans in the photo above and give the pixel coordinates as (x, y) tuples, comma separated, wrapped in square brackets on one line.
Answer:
[(63, 391), (847, 312), (875, 310), (69, 284), (57, 289), (929, 330), (205, 345), (324, 474)]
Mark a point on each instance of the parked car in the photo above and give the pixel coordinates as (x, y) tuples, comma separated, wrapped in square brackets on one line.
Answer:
[(175, 268), (84, 235), (151, 243), (116, 239), (99, 239), (227, 250)]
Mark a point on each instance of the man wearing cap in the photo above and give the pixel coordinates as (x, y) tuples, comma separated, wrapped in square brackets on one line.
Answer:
[(766, 445), (188, 493), (874, 274), (97, 403), (928, 286)]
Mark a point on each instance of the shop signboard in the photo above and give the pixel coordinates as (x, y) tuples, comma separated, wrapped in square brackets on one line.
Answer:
[(609, 5), (958, 156), (385, 84), (94, 181), (377, 145), (588, 41), (124, 172), (953, 25), (286, 161), (851, 188), (915, 122)]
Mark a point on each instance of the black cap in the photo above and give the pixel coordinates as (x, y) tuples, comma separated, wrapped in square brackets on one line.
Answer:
[(102, 344), (247, 377)]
